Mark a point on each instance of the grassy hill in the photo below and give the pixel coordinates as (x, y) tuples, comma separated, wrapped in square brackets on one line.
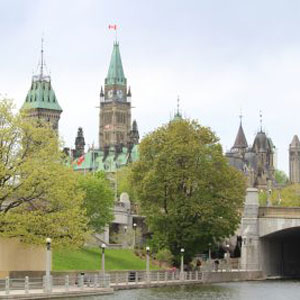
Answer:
[(90, 259)]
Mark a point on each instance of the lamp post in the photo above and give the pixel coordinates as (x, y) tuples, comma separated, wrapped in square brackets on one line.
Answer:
[(244, 253), (181, 265), (147, 262), (134, 228), (48, 257), (227, 253), (148, 259), (103, 246), (48, 263), (209, 251)]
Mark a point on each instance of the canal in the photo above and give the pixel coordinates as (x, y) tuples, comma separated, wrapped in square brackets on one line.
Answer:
[(261, 290)]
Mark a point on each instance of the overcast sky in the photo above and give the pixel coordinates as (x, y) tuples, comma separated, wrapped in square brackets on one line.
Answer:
[(220, 57)]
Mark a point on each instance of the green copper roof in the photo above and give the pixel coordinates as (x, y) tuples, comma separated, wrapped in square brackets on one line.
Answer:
[(115, 73), (41, 95), (94, 160), (89, 162)]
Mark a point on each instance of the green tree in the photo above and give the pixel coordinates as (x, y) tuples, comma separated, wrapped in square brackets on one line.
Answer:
[(164, 256), (39, 196), (186, 189), (280, 177), (98, 199), (287, 196), (124, 186)]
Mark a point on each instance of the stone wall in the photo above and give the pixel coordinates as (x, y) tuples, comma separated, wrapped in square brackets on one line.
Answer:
[(16, 256), (214, 277)]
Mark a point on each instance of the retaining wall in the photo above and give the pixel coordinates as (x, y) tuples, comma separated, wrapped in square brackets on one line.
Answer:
[(215, 277)]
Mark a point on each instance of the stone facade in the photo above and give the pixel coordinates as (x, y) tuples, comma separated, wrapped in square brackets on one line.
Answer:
[(294, 160), (250, 259), (16, 256), (256, 161)]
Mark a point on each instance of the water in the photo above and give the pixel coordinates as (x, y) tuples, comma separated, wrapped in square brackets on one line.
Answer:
[(261, 290)]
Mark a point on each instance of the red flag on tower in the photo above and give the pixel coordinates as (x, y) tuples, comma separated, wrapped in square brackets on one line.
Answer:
[(114, 26)]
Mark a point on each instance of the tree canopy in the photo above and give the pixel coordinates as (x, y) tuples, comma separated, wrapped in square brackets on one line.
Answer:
[(39, 196), (124, 185), (280, 177), (288, 196), (98, 199), (186, 189)]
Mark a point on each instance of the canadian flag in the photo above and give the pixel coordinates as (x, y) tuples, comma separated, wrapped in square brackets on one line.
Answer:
[(114, 26), (80, 160)]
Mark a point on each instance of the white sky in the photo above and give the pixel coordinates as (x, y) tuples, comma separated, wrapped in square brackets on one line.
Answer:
[(220, 57)]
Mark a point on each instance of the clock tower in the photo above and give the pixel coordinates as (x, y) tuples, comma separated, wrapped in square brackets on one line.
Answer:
[(115, 105)]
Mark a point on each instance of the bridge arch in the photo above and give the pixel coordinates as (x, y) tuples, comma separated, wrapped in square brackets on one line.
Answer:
[(280, 252)]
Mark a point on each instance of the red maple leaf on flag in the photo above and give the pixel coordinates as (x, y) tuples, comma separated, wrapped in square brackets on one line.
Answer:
[(114, 26), (80, 160)]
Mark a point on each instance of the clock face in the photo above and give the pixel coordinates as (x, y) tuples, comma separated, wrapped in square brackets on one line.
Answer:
[(120, 94), (110, 93)]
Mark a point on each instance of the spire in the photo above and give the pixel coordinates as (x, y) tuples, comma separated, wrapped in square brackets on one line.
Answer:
[(134, 133), (134, 125), (260, 120), (115, 73), (240, 140), (79, 143), (129, 92), (295, 142), (42, 59), (177, 115), (41, 93)]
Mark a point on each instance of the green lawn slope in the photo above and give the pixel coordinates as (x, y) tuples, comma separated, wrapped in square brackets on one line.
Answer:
[(90, 259)]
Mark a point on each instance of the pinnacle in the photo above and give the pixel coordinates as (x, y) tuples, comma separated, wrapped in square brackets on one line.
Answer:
[(240, 140), (295, 141)]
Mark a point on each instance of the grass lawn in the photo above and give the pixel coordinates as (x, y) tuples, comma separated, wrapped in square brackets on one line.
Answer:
[(90, 259)]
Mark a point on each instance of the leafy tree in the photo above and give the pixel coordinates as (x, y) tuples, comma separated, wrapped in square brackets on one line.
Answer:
[(39, 196), (164, 256), (287, 196), (98, 199), (186, 189), (280, 177), (124, 186)]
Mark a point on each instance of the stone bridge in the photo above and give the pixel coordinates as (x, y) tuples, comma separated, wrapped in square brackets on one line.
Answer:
[(271, 238)]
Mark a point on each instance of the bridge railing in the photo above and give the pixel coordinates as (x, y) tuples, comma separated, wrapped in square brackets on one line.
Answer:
[(125, 279)]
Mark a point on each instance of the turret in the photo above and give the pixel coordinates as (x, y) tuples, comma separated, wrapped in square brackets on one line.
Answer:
[(41, 102), (79, 143), (134, 134), (294, 160)]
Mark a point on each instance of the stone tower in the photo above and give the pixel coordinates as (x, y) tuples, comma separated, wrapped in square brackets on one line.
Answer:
[(294, 159), (79, 144), (264, 151), (134, 134), (115, 105), (41, 102)]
